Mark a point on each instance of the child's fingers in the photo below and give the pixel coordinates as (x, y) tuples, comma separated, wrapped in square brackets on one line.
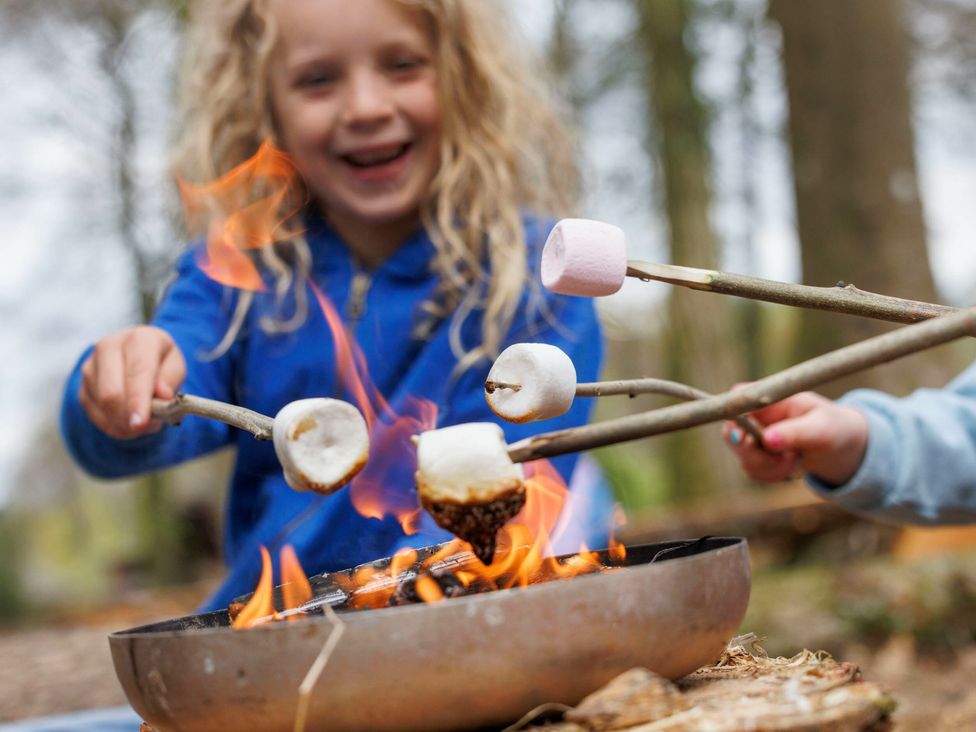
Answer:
[(788, 408), (146, 351), (808, 432), (107, 387), (758, 464), (172, 372)]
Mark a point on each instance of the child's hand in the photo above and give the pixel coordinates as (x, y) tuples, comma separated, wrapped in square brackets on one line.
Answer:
[(807, 431), (122, 375)]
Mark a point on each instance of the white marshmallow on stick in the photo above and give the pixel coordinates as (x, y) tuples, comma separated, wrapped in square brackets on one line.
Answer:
[(584, 257), (531, 381), (536, 381), (321, 443), (589, 259), (468, 483)]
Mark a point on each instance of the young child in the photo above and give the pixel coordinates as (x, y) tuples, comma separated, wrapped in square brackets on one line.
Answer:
[(909, 460), (427, 152)]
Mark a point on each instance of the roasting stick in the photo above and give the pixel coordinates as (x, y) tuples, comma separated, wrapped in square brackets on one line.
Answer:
[(589, 259), (174, 410), (321, 443), (533, 381), (761, 393), (842, 298)]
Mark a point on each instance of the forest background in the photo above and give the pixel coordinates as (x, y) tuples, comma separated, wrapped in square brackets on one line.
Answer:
[(809, 142)]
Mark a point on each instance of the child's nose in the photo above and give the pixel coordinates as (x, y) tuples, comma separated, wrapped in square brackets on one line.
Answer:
[(368, 99)]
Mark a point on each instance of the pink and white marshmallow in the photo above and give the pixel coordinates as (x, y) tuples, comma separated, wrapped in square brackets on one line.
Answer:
[(585, 258), (321, 443), (531, 381)]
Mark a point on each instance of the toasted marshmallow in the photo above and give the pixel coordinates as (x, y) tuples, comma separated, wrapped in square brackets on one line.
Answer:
[(531, 381), (321, 443), (468, 483), (584, 257)]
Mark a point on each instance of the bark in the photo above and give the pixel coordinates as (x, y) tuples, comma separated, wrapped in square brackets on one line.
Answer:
[(858, 209)]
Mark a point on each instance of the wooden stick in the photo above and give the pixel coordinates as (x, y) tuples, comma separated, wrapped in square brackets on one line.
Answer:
[(761, 393), (248, 420), (633, 387), (842, 298)]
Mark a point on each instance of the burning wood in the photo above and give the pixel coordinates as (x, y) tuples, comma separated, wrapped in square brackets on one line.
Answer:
[(410, 577)]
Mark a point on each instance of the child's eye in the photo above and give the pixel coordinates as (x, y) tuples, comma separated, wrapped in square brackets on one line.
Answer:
[(316, 79), (405, 64)]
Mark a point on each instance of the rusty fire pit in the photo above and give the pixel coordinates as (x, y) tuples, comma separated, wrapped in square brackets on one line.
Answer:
[(468, 662)]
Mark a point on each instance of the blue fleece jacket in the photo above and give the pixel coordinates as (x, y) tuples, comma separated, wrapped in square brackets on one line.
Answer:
[(265, 371), (920, 462)]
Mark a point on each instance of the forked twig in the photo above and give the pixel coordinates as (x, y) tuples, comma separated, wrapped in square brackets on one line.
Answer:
[(648, 385)]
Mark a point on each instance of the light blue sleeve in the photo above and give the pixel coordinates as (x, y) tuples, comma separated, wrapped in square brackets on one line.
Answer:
[(920, 463)]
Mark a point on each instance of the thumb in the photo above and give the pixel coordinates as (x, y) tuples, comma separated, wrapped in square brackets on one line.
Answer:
[(172, 371), (809, 431)]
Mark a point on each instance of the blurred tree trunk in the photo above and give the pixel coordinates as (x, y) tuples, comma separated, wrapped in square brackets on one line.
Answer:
[(157, 523), (701, 346), (857, 202)]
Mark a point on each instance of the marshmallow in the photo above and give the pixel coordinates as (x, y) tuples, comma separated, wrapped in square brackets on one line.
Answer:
[(468, 483), (584, 257), (544, 381), (321, 443)]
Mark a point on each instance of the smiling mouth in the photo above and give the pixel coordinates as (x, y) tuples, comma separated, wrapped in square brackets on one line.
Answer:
[(375, 159)]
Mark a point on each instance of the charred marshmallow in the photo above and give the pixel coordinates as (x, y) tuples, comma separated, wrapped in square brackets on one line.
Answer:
[(531, 381), (321, 443), (468, 483), (584, 257)]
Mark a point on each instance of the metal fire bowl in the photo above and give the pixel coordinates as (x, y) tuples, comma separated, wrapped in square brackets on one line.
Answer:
[(468, 662)]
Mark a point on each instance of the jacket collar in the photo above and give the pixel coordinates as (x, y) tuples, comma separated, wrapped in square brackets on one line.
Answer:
[(411, 260)]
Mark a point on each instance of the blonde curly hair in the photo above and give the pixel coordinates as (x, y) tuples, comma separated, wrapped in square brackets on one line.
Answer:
[(504, 150)]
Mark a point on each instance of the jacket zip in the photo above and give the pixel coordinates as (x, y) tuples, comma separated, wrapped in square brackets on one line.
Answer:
[(356, 300)]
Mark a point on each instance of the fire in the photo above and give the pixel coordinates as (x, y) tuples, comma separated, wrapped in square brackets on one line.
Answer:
[(392, 455), (295, 592), (246, 209), (249, 208)]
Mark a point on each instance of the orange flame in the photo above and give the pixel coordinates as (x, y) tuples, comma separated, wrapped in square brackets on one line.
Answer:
[(614, 548), (295, 591), (373, 492), (235, 222)]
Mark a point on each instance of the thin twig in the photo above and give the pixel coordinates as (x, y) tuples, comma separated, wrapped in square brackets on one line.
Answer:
[(536, 713), (761, 393), (843, 298), (633, 387), (317, 667), (248, 420)]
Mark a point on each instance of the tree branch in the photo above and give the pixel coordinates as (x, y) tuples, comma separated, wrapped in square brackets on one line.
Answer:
[(842, 298), (765, 391), (173, 412), (633, 387)]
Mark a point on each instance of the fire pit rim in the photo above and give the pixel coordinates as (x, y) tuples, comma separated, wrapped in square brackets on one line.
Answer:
[(368, 615)]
